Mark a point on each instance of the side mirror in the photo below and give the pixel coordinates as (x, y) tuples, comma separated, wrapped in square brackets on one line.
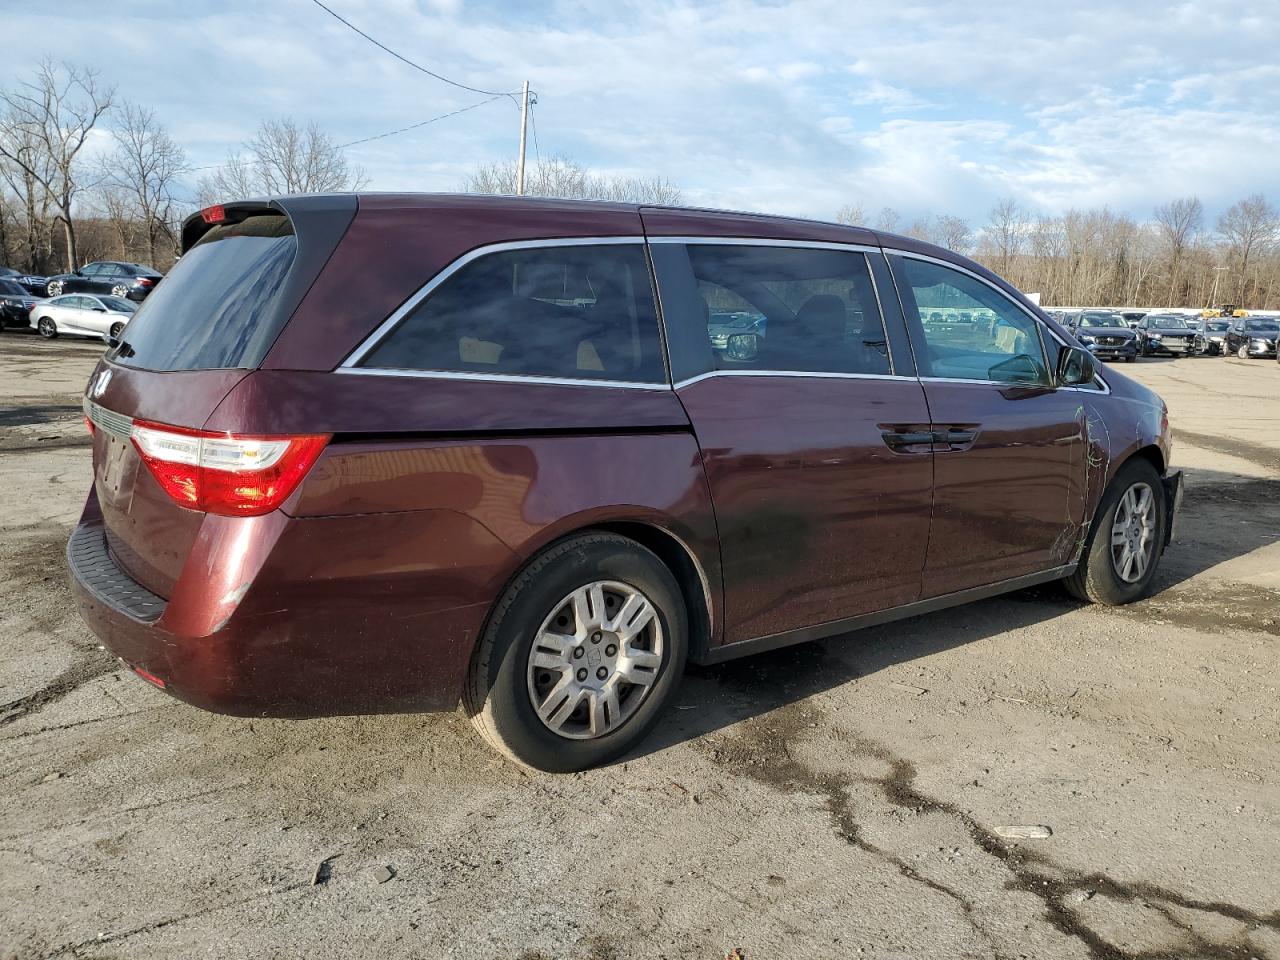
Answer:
[(743, 347), (99, 309), (1076, 366)]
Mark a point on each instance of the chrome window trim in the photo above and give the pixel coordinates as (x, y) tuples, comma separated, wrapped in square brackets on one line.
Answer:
[(499, 378), (818, 375), (1041, 326), (367, 345)]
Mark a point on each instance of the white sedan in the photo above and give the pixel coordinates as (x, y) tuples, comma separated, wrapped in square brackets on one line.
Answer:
[(81, 315)]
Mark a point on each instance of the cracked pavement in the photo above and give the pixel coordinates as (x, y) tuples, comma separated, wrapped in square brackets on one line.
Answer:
[(843, 798)]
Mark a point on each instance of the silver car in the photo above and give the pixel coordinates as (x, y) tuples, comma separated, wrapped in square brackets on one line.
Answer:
[(81, 315)]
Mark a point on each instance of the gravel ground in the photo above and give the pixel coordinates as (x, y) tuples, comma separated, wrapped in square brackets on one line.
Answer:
[(843, 798)]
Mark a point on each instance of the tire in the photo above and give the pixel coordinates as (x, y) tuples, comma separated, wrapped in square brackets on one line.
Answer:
[(120, 290), (504, 681), (1097, 579), (116, 330), (1132, 359), (1243, 352), (47, 328)]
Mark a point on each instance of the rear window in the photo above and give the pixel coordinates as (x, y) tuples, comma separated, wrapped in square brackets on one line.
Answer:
[(573, 312), (220, 306)]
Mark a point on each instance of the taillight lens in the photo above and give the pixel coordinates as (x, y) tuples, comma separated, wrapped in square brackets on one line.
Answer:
[(146, 282), (229, 474)]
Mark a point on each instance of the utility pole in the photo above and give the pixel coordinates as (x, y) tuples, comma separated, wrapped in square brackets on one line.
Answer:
[(524, 128), (1213, 296)]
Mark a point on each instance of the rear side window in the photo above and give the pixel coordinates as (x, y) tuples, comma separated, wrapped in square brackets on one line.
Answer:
[(573, 312), (220, 306), (790, 309)]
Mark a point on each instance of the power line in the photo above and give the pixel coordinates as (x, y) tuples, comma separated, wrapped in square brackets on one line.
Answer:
[(533, 118), (376, 136), (404, 59)]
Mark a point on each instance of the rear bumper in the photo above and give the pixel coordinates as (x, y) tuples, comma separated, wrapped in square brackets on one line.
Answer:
[(292, 644)]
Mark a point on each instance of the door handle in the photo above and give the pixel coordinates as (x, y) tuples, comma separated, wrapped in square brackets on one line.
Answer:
[(900, 441), (956, 436)]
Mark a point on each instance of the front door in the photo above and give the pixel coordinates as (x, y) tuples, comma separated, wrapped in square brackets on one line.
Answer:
[(1009, 446), (816, 453)]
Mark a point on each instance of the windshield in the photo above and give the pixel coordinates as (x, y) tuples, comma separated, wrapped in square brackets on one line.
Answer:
[(1102, 320), (1169, 323), (11, 288), (1261, 326), (220, 305), (1217, 326), (119, 304)]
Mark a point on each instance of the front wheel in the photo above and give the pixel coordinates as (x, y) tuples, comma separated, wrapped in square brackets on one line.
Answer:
[(47, 328), (582, 653), (1126, 539), (54, 288), (115, 331), (1243, 352)]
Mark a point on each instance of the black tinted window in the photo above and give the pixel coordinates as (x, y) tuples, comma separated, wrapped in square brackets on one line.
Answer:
[(579, 312), (12, 288), (219, 306), (790, 309)]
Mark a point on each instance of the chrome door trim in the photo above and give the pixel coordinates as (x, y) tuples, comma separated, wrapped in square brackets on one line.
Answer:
[(367, 345), (499, 378), (767, 242), (791, 373)]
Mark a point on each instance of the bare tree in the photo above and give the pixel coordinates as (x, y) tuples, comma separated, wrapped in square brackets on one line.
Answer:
[(1250, 226), (1006, 228), (852, 214), (1178, 221), (142, 172), (887, 220), (953, 233), (562, 177), (45, 126), (27, 179), (283, 158)]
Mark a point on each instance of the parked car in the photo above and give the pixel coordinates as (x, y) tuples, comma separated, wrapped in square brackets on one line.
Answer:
[(32, 284), (1165, 333), (459, 479), (1252, 337), (1106, 335), (1132, 317), (15, 304), (1211, 337), (130, 281), (81, 315)]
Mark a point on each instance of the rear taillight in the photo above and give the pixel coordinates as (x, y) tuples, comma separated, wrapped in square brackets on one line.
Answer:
[(229, 474), (146, 282)]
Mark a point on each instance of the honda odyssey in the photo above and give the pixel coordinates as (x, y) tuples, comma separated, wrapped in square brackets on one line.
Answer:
[(381, 453)]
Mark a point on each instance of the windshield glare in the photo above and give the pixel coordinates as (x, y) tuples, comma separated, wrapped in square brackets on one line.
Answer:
[(1102, 320), (1169, 323), (1262, 326)]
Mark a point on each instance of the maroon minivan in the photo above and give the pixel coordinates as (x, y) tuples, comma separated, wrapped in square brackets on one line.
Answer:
[(384, 453)]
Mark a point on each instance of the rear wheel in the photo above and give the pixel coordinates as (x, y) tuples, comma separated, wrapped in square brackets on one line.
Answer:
[(1132, 358), (53, 288), (582, 652), (116, 330), (119, 290), (1126, 539), (47, 328)]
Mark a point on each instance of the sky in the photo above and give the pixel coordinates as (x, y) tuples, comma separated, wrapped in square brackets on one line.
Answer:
[(784, 107)]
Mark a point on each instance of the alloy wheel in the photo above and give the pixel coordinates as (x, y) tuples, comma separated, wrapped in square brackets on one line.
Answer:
[(594, 659), (54, 288), (46, 327), (1133, 533), (1243, 352), (119, 290), (116, 330)]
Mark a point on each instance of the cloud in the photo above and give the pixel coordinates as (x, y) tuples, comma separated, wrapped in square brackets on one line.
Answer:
[(798, 108)]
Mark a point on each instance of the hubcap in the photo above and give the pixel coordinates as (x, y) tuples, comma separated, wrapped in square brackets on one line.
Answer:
[(1133, 533), (594, 659)]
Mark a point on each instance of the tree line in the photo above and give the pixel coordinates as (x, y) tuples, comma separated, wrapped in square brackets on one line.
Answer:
[(1100, 258), (87, 175)]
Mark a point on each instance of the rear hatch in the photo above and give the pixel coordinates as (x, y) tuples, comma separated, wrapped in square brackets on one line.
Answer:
[(245, 268)]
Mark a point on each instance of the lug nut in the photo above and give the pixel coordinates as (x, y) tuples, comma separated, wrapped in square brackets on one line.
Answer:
[(610, 650), (596, 637), (582, 674), (577, 653), (602, 673)]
